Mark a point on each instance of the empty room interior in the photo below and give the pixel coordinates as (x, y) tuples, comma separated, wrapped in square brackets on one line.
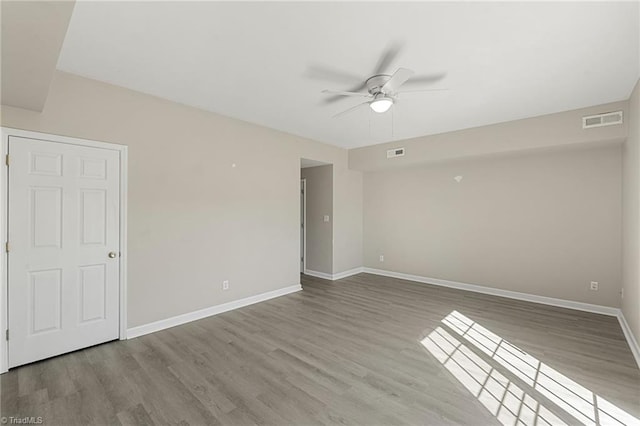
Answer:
[(313, 213)]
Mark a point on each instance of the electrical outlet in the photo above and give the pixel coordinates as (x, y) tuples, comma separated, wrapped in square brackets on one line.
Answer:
[(225, 285), (594, 286), (382, 258), (622, 293)]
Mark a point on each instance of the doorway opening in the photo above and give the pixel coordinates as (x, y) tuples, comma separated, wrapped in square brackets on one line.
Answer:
[(316, 218), (303, 231)]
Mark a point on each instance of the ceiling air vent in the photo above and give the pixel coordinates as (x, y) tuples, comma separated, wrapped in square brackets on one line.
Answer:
[(396, 152), (599, 120)]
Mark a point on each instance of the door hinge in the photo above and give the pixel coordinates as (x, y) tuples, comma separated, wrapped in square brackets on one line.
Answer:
[(6, 246), (6, 334), (6, 159)]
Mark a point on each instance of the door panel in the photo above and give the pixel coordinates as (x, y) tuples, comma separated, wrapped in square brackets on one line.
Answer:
[(63, 221), (93, 215), (45, 212), (44, 300), (93, 292)]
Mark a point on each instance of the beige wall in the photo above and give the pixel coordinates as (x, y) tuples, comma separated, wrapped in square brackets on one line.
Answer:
[(32, 36), (193, 219), (532, 134), (546, 224), (347, 226), (319, 203), (631, 217)]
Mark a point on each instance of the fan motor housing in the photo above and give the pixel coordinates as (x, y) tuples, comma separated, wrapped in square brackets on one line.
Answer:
[(375, 83)]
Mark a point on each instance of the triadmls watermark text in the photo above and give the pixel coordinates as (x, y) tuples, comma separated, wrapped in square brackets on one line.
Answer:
[(26, 420)]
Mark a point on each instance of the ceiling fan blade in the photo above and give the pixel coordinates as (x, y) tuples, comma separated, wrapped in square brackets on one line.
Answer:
[(321, 72), (341, 93), (349, 110), (387, 58), (336, 98), (397, 79), (444, 89), (425, 79)]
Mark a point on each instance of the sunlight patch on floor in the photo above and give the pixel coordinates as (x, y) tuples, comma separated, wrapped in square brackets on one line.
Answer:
[(457, 349)]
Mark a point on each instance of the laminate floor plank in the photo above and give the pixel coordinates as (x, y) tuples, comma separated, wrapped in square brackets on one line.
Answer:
[(135, 416), (365, 350)]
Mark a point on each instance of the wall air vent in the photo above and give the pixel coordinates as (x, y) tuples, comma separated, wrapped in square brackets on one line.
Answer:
[(395, 152), (599, 120)]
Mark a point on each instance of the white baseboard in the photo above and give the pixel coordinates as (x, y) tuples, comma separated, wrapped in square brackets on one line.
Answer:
[(317, 274), (587, 307), (333, 277), (350, 272), (631, 340), (207, 312)]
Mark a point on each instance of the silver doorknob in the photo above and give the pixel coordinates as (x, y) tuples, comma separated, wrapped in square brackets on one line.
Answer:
[(112, 254)]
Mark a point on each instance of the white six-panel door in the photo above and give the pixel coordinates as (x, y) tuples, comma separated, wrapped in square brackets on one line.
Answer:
[(63, 259)]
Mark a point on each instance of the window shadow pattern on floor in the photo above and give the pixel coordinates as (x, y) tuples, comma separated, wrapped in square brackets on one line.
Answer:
[(512, 385)]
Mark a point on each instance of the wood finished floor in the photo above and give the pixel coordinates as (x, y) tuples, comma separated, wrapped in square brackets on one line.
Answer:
[(344, 352)]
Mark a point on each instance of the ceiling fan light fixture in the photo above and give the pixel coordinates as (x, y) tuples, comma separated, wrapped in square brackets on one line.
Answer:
[(381, 103)]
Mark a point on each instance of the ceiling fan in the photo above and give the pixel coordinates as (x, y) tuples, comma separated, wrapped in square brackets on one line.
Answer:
[(382, 90)]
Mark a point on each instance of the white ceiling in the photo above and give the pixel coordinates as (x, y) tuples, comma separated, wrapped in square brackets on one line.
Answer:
[(260, 62)]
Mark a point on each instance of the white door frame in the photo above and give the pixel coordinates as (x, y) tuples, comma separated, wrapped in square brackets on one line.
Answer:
[(122, 149), (304, 225)]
